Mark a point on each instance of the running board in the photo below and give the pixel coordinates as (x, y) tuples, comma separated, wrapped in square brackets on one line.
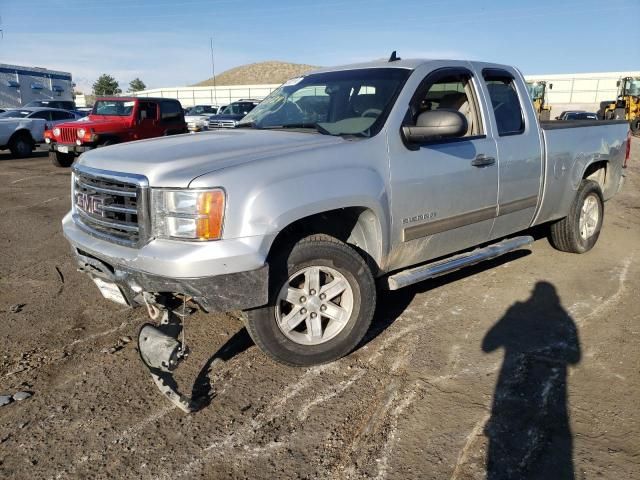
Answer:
[(432, 270)]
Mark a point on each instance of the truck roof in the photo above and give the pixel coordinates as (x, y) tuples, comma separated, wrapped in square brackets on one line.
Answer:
[(408, 63), (133, 99)]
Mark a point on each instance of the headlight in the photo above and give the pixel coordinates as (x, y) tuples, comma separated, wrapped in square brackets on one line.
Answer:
[(81, 132), (188, 214), (56, 132)]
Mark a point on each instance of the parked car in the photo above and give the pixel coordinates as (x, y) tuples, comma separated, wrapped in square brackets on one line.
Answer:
[(232, 114), (564, 114), (580, 116), (115, 120), (21, 129), (61, 104), (197, 117), (410, 169)]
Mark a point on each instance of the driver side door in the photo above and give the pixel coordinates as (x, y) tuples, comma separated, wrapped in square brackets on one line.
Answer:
[(444, 192)]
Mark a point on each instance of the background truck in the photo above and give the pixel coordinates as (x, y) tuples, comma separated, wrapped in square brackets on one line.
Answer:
[(627, 103), (345, 180), (21, 129), (539, 97), (21, 135), (229, 116), (115, 120)]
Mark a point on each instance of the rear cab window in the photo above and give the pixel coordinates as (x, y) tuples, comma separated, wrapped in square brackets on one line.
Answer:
[(505, 102)]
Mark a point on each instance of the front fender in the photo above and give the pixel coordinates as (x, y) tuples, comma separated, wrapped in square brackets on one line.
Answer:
[(274, 206)]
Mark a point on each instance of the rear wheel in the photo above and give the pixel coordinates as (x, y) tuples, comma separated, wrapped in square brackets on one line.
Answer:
[(60, 159), (21, 145), (323, 297), (578, 232), (635, 126)]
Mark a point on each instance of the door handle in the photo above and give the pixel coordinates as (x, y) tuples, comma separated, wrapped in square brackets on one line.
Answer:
[(483, 160)]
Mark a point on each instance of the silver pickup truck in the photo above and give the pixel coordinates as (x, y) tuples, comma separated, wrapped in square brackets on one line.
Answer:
[(344, 180)]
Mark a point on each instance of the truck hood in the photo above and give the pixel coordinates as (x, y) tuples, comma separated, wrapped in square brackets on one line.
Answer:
[(176, 160), (99, 123)]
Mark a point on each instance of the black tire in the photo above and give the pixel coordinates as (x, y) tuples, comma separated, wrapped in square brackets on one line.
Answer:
[(565, 234), (62, 160), (635, 126), (21, 145), (322, 251)]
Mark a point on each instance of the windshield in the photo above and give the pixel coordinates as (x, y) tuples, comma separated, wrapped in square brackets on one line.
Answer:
[(350, 102), (117, 108), (15, 114), (632, 87), (536, 90), (238, 109), (202, 110)]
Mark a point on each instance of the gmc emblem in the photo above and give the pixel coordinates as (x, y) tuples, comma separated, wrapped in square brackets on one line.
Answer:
[(90, 203)]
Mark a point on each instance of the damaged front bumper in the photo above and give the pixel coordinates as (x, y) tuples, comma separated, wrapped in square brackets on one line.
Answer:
[(220, 293), (213, 285)]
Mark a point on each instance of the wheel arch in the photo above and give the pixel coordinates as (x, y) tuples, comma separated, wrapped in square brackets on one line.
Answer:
[(20, 132), (357, 226)]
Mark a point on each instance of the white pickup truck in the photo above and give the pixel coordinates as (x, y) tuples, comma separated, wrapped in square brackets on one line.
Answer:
[(347, 179), (21, 129)]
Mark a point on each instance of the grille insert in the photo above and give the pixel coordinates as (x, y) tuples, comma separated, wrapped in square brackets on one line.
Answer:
[(110, 208)]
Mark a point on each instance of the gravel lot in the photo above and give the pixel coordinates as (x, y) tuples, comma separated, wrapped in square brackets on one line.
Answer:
[(528, 364)]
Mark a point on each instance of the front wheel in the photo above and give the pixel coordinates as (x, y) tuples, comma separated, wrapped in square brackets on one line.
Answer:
[(323, 298), (578, 232), (635, 126)]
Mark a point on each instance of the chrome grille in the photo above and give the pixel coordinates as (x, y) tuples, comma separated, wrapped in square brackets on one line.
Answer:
[(111, 206), (68, 135), (222, 124)]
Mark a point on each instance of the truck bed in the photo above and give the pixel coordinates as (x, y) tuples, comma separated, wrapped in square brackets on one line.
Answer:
[(562, 124), (569, 146)]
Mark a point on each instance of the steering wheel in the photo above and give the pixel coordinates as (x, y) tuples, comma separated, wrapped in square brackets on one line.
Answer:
[(371, 112)]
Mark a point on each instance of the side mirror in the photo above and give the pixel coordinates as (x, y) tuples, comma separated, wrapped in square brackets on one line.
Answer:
[(551, 86), (618, 83), (436, 124)]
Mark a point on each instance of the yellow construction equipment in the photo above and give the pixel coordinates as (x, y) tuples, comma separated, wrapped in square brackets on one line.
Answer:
[(538, 94), (627, 104)]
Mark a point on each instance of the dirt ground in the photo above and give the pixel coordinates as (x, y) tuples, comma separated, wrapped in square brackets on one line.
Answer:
[(524, 367)]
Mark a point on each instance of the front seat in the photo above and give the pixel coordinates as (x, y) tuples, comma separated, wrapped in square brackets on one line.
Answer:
[(459, 102)]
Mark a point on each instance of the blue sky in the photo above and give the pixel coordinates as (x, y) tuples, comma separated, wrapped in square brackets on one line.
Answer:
[(166, 43)]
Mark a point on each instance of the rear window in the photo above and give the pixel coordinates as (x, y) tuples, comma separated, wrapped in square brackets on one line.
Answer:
[(505, 102)]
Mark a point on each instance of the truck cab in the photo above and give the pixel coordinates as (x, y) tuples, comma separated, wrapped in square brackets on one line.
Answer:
[(115, 120)]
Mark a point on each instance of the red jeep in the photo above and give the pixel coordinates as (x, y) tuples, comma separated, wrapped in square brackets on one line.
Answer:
[(114, 120)]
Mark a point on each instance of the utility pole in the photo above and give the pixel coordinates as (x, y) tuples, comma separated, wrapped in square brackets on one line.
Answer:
[(213, 74)]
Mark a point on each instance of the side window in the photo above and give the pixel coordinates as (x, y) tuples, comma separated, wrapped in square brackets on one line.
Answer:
[(148, 111), (61, 116), (170, 112), (449, 91), (44, 115), (505, 102)]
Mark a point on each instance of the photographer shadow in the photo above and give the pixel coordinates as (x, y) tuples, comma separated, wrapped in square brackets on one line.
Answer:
[(529, 432)]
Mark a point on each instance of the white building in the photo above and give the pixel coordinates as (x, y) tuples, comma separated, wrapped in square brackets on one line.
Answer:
[(571, 91), (21, 85), (220, 95)]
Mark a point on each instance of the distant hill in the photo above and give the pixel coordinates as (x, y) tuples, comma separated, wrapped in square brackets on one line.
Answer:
[(258, 74)]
